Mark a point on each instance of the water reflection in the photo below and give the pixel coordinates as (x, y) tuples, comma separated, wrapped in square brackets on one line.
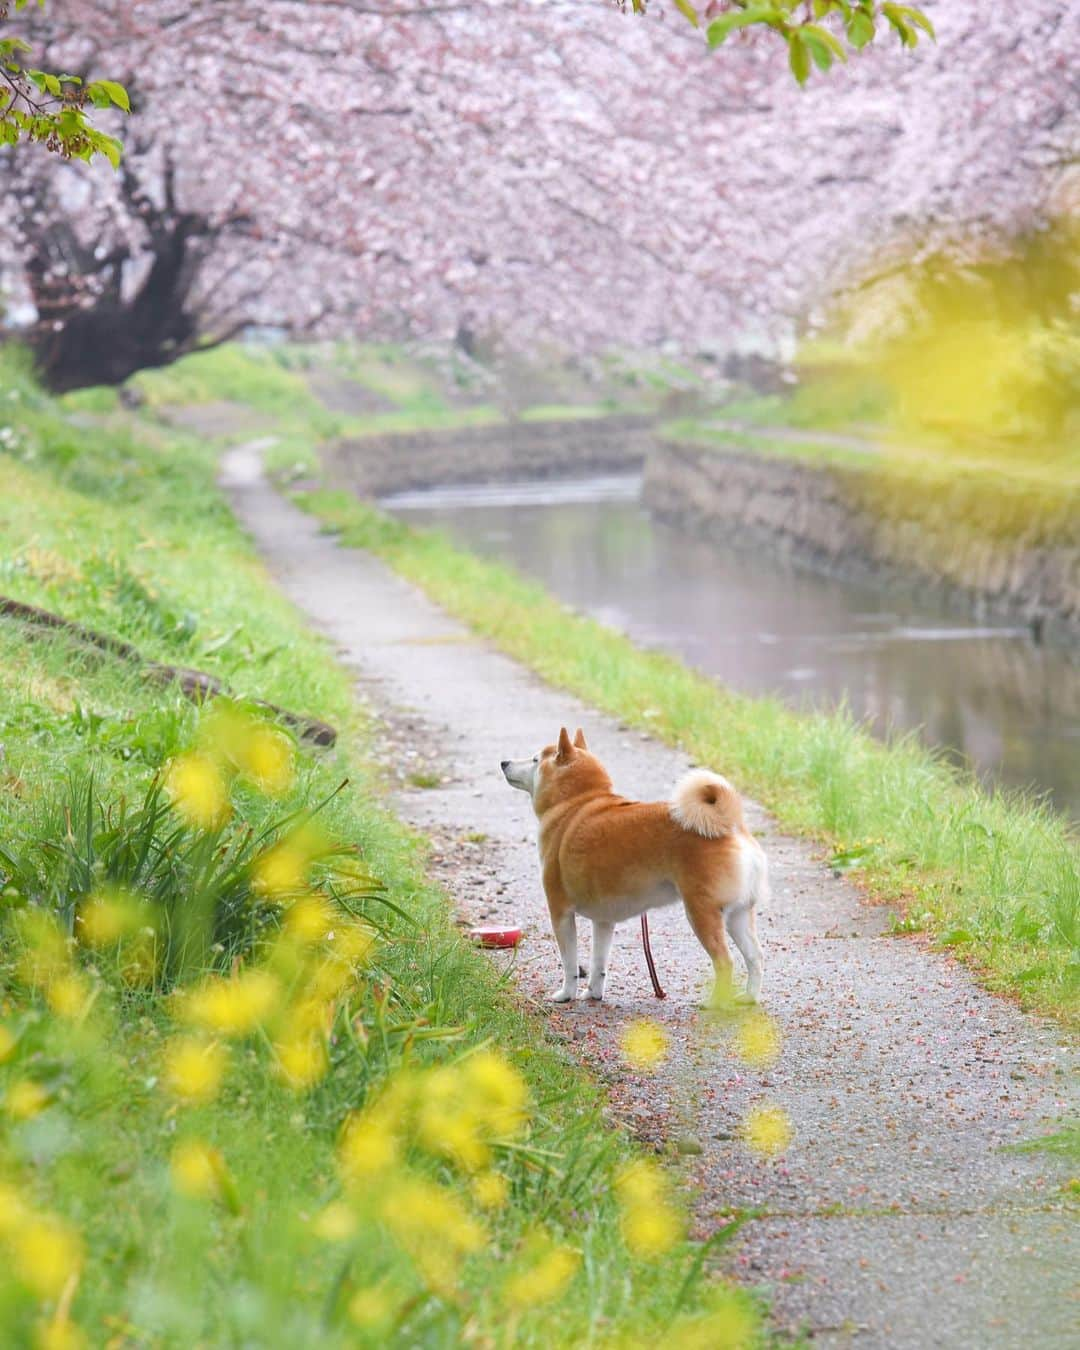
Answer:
[(983, 692)]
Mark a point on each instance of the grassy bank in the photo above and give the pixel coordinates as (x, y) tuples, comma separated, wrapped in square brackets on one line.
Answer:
[(255, 1089), (992, 875)]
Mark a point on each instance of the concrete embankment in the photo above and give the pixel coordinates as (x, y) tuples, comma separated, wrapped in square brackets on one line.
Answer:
[(1008, 553), (376, 465)]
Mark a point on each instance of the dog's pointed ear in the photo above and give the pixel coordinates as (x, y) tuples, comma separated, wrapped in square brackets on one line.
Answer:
[(579, 739), (565, 748)]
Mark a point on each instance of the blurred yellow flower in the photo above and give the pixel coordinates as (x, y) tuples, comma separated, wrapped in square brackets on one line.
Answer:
[(543, 1280), (640, 1183), (651, 1230), (650, 1224), (310, 918), (368, 1148), (371, 1308), (45, 954), (728, 1323), (106, 919), (491, 1190), (496, 1090), (644, 1044), (266, 758), (234, 1006), (45, 1253), (280, 872), (8, 1042), (70, 996), (757, 1040), (198, 1171), (25, 1099), (199, 791), (430, 1223), (194, 1069), (59, 1334), (352, 942), (335, 1223), (301, 1061), (768, 1130)]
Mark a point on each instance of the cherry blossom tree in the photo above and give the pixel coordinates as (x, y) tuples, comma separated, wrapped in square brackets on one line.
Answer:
[(537, 170)]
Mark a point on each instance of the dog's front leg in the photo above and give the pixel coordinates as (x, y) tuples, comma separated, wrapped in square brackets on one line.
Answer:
[(565, 926), (602, 933)]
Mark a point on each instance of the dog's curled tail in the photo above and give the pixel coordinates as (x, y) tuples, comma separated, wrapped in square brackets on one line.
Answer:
[(706, 804)]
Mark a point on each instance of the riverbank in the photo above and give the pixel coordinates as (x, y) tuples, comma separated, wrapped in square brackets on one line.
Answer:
[(174, 1169), (1003, 543)]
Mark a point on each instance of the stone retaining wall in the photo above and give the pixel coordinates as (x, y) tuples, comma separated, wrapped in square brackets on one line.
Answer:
[(858, 524), (376, 465)]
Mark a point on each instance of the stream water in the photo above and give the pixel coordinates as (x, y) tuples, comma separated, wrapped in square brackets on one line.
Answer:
[(987, 694)]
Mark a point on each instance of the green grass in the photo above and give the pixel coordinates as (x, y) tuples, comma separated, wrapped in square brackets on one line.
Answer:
[(994, 874), (123, 528)]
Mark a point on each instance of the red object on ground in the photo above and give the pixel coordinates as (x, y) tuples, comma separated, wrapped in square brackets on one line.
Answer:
[(496, 937), (648, 956)]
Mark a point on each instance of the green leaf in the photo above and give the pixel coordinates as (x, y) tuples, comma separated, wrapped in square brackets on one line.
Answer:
[(114, 93), (956, 937), (687, 10), (719, 29), (815, 34), (798, 56), (904, 31), (860, 29), (917, 17), (52, 84)]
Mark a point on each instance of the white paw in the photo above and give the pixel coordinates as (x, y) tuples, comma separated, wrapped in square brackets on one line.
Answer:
[(563, 996), (595, 994), (746, 999)]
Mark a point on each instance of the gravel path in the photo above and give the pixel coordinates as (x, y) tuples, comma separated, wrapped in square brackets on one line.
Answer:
[(895, 1218)]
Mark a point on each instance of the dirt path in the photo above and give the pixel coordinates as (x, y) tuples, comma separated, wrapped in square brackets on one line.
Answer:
[(895, 1218)]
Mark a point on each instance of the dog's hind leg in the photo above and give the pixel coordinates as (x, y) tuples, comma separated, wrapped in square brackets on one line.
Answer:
[(565, 927), (743, 930), (707, 920), (602, 933)]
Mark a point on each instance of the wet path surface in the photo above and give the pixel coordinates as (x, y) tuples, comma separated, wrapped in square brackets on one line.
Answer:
[(895, 1218)]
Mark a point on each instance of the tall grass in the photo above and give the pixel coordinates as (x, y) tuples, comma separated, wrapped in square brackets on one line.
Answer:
[(993, 873)]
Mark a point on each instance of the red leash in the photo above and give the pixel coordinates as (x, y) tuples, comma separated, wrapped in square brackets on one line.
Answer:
[(648, 956)]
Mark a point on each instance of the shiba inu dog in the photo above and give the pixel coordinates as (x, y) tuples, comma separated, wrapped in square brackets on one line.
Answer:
[(608, 859)]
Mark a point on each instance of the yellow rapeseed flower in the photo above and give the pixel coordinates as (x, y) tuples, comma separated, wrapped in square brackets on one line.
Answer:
[(266, 758), (25, 1099), (198, 1171), (107, 918), (757, 1040), (199, 791), (650, 1230), (640, 1183), (371, 1308), (335, 1223), (491, 1190), (368, 1148), (59, 1334), (644, 1043), (194, 1069), (496, 1090), (70, 996), (310, 919), (543, 1280), (768, 1130), (45, 1254), (728, 1323), (234, 1006), (280, 872), (45, 954), (353, 942), (430, 1223), (301, 1061)]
